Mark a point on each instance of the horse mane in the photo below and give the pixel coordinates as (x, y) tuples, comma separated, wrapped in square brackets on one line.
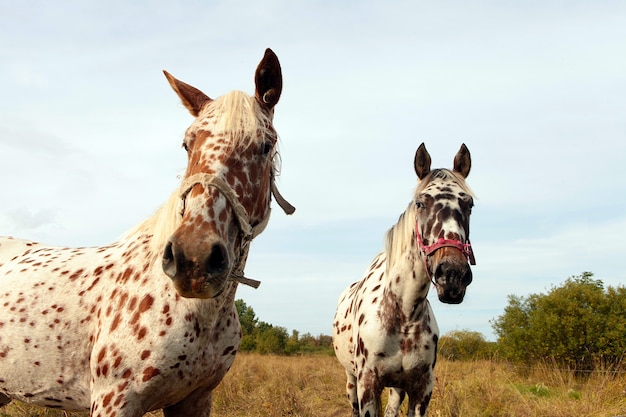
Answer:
[(236, 115), (445, 175), (400, 235), (161, 225), (240, 116)]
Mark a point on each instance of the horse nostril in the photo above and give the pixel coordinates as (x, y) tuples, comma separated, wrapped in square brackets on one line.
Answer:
[(467, 277), (169, 261), (217, 262), (168, 255), (442, 271)]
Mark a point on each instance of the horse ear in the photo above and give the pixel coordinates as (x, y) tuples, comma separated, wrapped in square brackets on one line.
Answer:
[(268, 80), (422, 162), (463, 161), (191, 97)]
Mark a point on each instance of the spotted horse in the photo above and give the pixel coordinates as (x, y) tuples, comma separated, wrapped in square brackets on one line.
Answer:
[(149, 322), (384, 330)]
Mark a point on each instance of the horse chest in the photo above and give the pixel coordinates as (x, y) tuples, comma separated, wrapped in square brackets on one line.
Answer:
[(69, 328), (189, 340), (194, 354)]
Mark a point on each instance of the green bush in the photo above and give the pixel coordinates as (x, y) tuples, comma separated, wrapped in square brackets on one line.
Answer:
[(580, 324), (465, 345)]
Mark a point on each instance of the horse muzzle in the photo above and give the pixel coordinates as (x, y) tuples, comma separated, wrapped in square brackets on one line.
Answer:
[(197, 275), (451, 278)]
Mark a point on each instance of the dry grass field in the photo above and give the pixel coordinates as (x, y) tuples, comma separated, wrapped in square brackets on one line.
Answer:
[(313, 386)]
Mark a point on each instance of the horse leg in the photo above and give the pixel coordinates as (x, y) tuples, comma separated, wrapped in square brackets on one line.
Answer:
[(369, 390), (196, 404), (419, 400), (418, 409), (4, 400), (396, 396), (351, 392)]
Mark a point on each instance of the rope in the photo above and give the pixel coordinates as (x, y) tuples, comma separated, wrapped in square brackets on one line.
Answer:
[(247, 232)]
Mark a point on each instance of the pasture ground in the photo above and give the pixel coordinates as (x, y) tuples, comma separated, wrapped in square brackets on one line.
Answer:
[(313, 386)]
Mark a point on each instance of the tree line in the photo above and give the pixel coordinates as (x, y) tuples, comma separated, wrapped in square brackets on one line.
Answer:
[(579, 325), (259, 336)]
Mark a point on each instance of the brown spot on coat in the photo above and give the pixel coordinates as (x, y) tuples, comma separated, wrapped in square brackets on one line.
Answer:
[(150, 373)]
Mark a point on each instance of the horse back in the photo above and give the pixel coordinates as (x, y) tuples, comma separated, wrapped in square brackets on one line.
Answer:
[(46, 330)]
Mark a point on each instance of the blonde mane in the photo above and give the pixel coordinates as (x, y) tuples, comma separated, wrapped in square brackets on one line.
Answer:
[(444, 175), (235, 115), (399, 236)]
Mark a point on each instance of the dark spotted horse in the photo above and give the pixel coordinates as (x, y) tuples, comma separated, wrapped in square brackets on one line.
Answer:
[(149, 322), (384, 330)]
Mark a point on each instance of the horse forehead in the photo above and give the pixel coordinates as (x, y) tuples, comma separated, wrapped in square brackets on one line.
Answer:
[(446, 193), (442, 186), (446, 211), (207, 146), (222, 144)]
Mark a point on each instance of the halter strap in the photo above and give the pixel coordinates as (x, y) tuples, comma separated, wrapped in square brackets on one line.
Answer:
[(427, 250), (207, 180), (248, 232), (284, 204), (466, 248)]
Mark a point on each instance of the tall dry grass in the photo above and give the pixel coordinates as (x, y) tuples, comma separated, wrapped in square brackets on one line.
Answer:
[(313, 386), (264, 385), (486, 388)]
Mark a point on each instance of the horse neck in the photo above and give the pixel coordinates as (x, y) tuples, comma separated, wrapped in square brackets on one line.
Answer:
[(406, 278)]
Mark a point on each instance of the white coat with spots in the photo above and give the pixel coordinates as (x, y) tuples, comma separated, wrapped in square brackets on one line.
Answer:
[(384, 330), (148, 322)]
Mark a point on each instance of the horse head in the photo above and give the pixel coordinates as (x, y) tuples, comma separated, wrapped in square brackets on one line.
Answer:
[(444, 204), (226, 191)]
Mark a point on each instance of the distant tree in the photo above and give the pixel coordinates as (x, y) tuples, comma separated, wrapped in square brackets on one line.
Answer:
[(465, 345), (248, 321), (293, 343), (308, 340), (262, 337), (247, 317), (325, 341), (271, 339), (579, 324)]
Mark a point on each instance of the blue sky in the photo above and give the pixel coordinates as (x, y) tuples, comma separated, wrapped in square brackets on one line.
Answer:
[(90, 132)]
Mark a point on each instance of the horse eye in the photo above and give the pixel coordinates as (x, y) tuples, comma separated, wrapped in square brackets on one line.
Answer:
[(267, 147), (185, 147), (419, 205)]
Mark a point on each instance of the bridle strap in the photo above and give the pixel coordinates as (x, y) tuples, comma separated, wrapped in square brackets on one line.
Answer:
[(427, 250), (207, 180), (284, 204), (465, 248), (248, 232)]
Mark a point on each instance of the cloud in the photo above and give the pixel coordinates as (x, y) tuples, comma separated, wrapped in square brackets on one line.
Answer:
[(24, 221), (28, 77)]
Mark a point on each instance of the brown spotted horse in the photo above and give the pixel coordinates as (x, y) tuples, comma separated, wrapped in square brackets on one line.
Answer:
[(384, 331), (149, 322)]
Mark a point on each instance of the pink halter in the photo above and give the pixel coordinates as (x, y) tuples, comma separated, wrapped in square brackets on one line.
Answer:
[(465, 248)]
